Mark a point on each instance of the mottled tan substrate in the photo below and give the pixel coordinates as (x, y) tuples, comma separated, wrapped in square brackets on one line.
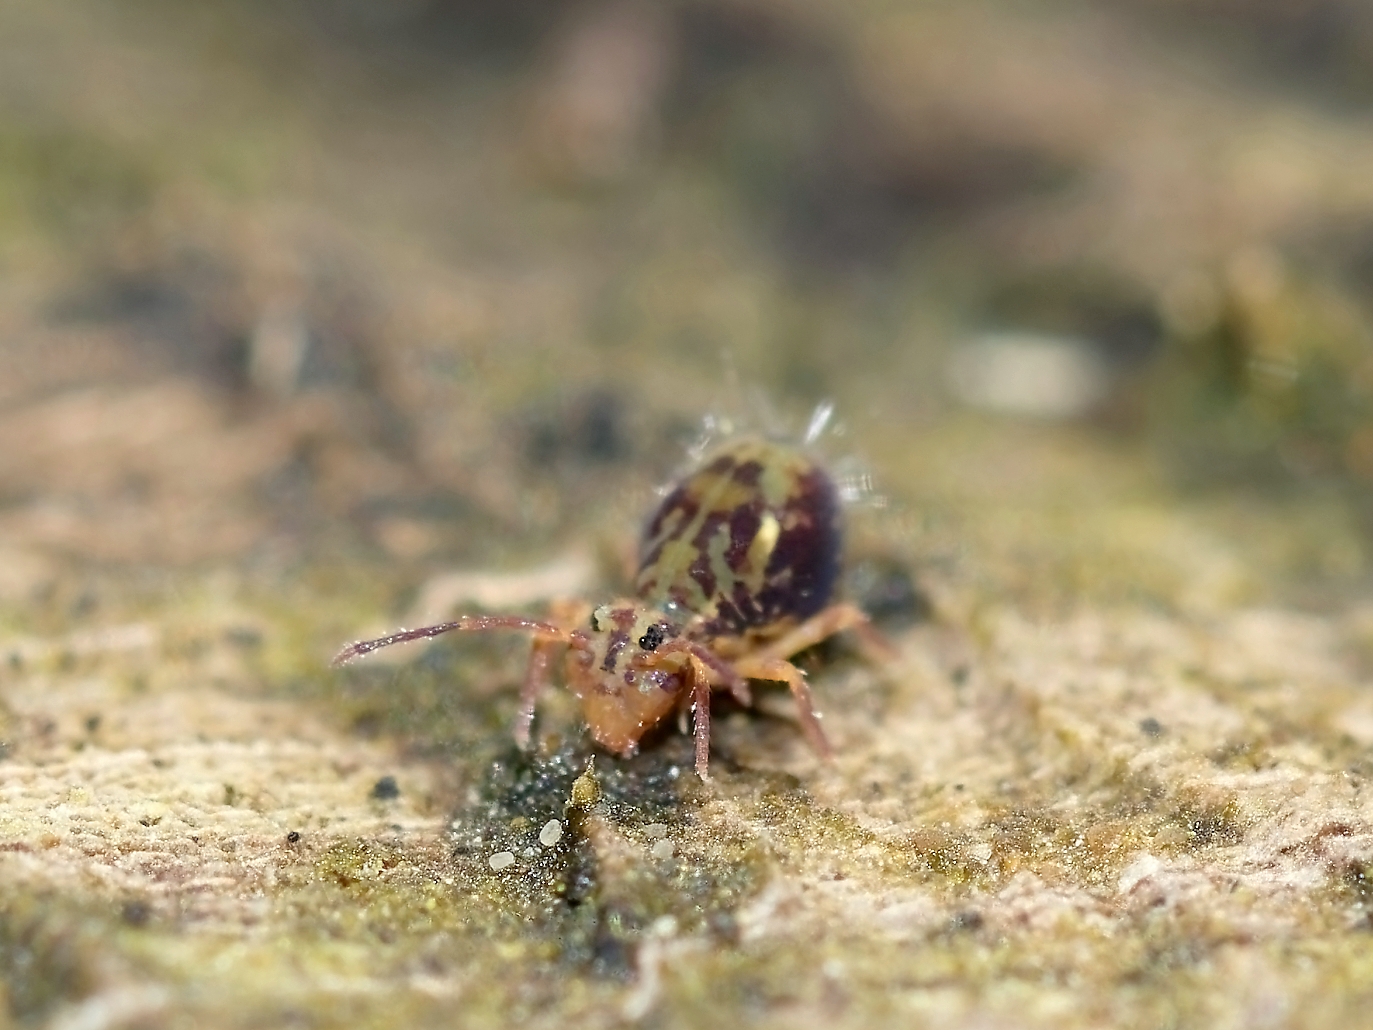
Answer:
[(315, 314), (1059, 807)]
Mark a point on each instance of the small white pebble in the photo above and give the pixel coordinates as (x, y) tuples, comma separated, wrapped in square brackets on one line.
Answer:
[(663, 849), (501, 860), (655, 831), (663, 926), (551, 833)]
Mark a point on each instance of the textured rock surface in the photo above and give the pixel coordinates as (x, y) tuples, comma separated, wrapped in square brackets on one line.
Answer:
[(1048, 809)]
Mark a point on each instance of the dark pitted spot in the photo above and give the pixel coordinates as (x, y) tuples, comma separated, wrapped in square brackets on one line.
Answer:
[(293, 837), (652, 637), (590, 429), (1151, 727), (136, 913), (965, 922), (721, 466), (385, 789)]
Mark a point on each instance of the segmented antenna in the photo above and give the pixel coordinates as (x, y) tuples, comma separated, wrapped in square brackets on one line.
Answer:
[(475, 623)]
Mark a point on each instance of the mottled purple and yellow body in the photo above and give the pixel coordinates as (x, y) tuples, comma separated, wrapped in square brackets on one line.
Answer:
[(737, 572), (749, 542)]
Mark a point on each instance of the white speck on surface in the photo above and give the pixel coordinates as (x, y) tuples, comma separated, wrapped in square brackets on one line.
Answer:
[(277, 350), (117, 1007), (980, 852), (655, 831), (1141, 869), (1029, 374), (663, 849), (663, 926), (551, 833), (501, 860)]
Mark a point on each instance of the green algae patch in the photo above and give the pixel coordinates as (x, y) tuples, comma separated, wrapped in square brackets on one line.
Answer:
[(69, 182), (49, 954), (570, 911), (597, 878)]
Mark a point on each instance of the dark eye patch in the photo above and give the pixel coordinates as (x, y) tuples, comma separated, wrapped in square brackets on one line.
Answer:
[(654, 636)]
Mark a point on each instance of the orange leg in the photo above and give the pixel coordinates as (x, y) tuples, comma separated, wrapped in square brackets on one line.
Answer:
[(566, 615), (535, 681), (823, 625), (702, 677), (761, 668), (700, 703), (711, 667)]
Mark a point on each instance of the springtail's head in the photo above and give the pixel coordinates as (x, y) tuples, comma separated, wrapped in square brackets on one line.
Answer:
[(632, 675)]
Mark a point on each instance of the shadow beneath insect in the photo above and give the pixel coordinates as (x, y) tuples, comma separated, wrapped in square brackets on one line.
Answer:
[(590, 853)]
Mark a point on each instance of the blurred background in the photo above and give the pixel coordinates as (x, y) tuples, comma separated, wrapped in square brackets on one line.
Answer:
[(320, 285)]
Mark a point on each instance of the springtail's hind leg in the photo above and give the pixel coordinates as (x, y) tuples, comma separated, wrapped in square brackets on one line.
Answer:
[(784, 672), (823, 625)]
